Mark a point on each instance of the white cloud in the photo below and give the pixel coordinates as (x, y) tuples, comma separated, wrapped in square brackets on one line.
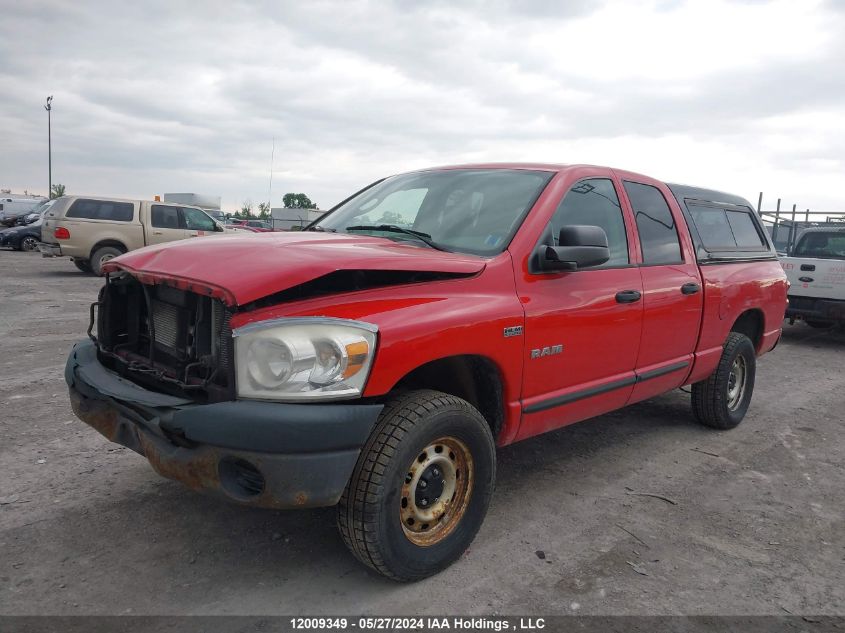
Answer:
[(163, 96)]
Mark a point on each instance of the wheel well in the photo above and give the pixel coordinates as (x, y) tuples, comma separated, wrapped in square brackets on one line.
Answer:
[(114, 243), (750, 323), (476, 379)]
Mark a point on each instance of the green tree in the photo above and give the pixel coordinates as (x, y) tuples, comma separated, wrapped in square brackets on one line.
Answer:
[(391, 217), (246, 210), (264, 210), (297, 201), (57, 191)]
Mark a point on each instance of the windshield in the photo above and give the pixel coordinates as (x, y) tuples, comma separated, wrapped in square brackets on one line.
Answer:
[(827, 245), (43, 206), (465, 210)]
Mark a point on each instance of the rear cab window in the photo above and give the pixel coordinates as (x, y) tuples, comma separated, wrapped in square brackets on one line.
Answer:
[(723, 227), (109, 210)]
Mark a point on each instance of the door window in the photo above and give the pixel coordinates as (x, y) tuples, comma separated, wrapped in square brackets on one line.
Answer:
[(197, 220), (164, 217), (594, 202), (655, 224)]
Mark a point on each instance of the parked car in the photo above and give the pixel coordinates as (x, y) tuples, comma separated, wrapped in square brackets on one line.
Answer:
[(378, 358), (25, 237), (11, 208), (217, 214), (816, 272), (256, 225), (91, 231), (242, 227)]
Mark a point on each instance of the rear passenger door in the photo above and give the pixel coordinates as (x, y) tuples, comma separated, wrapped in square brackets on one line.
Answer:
[(672, 292), (165, 224)]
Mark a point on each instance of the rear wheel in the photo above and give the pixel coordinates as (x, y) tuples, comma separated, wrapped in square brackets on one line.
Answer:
[(721, 400), (820, 325), (82, 264), (421, 487), (101, 256), (29, 244)]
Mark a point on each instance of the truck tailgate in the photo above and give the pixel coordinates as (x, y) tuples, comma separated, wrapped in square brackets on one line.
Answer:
[(815, 277)]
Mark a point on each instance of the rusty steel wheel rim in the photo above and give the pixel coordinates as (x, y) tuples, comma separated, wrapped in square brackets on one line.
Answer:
[(436, 491), (736, 382)]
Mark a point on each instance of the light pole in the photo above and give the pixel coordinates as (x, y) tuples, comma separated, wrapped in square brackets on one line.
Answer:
[(49, 107)]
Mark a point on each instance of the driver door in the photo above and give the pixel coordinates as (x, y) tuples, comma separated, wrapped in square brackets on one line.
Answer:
[(197, 222), (582, 327)]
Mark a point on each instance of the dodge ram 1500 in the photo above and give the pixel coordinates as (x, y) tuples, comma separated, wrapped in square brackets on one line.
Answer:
[(376, 360)]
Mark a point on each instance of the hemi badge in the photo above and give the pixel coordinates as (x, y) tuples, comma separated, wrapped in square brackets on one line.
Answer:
[(514, 330)]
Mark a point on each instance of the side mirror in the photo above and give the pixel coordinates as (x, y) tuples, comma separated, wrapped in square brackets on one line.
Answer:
[(218, 226), (579, 246)]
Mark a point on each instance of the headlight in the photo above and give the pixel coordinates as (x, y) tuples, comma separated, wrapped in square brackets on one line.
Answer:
[(303, 358)]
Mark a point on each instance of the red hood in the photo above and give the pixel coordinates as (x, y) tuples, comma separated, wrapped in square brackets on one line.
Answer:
[(242, 268)]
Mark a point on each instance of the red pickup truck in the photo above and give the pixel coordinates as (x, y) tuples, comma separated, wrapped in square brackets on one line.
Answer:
[(378, 358)]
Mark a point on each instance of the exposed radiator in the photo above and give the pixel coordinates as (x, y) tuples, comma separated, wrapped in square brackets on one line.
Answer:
[(166, 323)]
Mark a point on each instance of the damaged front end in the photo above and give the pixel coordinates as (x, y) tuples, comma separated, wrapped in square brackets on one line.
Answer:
[(166, 338), (157, 376)]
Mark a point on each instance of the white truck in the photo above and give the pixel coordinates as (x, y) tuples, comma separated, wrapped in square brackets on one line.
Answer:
[(816, 269)]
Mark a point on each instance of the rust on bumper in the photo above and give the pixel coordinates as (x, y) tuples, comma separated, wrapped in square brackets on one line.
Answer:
[(283, 481), (263, 454)]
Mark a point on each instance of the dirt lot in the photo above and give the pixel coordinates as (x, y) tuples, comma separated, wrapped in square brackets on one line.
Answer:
[(756, 527)]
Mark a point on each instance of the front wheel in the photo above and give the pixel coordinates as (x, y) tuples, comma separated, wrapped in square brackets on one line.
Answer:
[(721, 400), (421, 487)]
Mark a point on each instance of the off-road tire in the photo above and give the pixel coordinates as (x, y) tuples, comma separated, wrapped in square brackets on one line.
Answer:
[(710, 401), (83, 264), (100, 256), (368, 515)]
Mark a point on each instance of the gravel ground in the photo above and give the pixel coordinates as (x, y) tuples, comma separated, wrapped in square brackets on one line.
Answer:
[(755, 525)]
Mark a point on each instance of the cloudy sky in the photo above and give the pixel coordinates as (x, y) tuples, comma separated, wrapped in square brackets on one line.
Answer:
[(151, 97)]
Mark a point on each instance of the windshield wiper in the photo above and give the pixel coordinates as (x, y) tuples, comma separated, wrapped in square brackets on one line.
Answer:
[(321, 229), (425, 238)]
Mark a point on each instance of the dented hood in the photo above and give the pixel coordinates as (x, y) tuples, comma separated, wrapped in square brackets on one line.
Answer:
[(240, 269)]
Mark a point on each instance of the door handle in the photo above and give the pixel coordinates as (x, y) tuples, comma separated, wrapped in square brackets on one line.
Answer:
[(628, 296), (157, 233), (690, 288)]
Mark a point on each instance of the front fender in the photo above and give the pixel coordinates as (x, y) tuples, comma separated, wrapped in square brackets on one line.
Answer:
[(423, 322)]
